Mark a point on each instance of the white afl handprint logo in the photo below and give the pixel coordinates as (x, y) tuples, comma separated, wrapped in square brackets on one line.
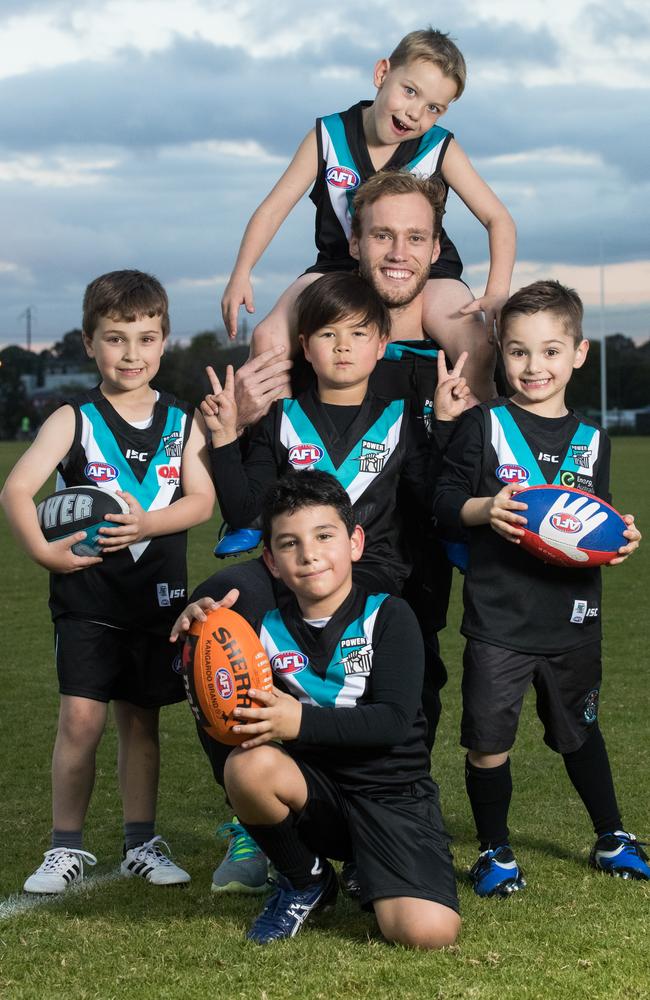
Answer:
[(568, 521)]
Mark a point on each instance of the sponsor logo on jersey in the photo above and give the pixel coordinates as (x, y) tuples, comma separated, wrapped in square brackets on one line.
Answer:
[(173, 444), (177, 664), (590, 711), (585, 483), (357, 658), (567, 478), (579, 612), (509, 473), (303, 456), (545, 457), (581, 454), (427, 415), (373, 457), (168, 592), (343, 177), (168, 474), (566, 522), (136, 456), (289, 662), (223, 683), (100, 472)]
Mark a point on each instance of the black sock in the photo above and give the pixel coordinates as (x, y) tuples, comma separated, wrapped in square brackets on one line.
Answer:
[(591, 776), (290, 855), (490, 790)]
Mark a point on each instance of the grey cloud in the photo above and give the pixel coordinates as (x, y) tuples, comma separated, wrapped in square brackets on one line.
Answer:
[(622, 22)]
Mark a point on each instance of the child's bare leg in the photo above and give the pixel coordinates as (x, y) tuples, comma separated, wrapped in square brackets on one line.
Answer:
[(81, 724), (444, 323), (417, 923), (264, 784), (486, 759), (138, 761), (279, 327)]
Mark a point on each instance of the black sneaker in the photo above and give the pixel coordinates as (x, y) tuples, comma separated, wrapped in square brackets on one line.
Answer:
[(349, 881), (289, 908)]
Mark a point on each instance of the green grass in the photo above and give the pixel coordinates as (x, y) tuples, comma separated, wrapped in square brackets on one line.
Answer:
[(572, 934)]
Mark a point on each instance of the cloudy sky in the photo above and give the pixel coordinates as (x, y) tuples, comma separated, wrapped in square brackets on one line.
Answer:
[(143, 133)]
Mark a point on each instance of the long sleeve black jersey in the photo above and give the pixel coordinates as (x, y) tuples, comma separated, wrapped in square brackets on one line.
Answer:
[(359, 680), (511, 598)]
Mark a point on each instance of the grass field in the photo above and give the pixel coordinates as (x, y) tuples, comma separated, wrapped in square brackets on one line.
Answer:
[(571, 934)]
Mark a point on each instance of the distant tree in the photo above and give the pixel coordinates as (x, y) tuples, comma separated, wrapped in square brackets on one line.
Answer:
[(182, 369), (19, 360), (14, 404), (69, 350)]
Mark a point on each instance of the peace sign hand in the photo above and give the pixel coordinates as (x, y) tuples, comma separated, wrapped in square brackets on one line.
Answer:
[(452, 392), (220, 409)]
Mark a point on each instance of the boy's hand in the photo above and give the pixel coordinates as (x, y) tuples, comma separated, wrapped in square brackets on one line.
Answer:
[(278, 719), (132, 527), (258, 383), (238, 291), (634, 535), (503, 517), (59, 557), (219, 408), (198, 611), (490, 306), (452, 391)]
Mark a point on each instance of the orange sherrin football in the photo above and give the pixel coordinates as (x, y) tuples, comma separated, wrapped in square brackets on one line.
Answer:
[(222, 659)]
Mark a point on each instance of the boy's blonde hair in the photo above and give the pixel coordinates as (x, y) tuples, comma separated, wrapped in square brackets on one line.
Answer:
[(391, 182), (545, 296), (435, 47)]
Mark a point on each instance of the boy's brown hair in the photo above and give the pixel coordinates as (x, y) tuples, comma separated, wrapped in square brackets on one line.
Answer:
[(391, 182), (545, 296), (435, 47), (337, 296), (125, 296)]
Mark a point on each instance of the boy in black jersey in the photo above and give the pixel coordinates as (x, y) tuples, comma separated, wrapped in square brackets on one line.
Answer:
[(525, 620), (351, 780), (112, 614)]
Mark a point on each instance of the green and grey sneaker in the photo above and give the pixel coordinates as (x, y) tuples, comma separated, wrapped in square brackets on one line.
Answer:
[(245, 867)]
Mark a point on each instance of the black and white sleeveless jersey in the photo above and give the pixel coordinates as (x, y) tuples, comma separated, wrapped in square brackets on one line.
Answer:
[(145, 585), (359, 680), (344, 164), (381, 447), (511, 598)]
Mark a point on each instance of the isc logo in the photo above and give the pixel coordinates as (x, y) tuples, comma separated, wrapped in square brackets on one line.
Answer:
[(223, 683), (512, 473), (343, 177), (100, 472), (289, 663), (566, 522), (301, 456)]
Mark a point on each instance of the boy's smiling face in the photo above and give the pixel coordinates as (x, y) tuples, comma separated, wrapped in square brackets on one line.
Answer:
[(312, 553), (410, 100), (127, 354), (540, 358)]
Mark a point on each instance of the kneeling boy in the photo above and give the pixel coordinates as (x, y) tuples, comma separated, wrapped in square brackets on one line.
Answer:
[(351, 780)]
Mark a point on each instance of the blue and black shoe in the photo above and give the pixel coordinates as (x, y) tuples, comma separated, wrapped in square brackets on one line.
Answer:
[(496, 873), (620, 854), (236, 541), (289, 908)]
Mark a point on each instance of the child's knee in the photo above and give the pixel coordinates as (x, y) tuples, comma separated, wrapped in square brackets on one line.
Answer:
[(428, 927), (81, 721), (269, 333), (248, 769)]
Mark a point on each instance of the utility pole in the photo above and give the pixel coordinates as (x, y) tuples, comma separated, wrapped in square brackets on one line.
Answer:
[(27, 316)]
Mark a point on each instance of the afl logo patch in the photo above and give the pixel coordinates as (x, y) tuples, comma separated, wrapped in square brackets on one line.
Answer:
[(303, 456), (512, 473), (343, 177), (289, 663), (100, 472), (223, 683), (566, 522)]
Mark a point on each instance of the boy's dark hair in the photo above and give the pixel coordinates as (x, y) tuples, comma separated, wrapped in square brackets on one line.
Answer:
[(435, 47), (545, 296), (338, 296), (124, 296), (391, 182), (298, 490)]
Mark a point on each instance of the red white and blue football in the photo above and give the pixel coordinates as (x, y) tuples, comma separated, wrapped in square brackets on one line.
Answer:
[(568, 527), (79, 508)]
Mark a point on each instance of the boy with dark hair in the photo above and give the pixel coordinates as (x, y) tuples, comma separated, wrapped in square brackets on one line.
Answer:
[(527, 621), (351, 780), (112, 613)]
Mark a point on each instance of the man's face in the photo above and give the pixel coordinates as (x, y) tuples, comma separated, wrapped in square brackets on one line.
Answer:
[(396, 246)]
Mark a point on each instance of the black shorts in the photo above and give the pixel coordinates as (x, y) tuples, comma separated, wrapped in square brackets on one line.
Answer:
[(113, 664), (396, 839), (495, 681)]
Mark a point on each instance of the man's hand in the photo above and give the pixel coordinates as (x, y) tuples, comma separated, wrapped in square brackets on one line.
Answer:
[(219, 408), (198, 611), (278, 719), (258, 383), (452, 390)]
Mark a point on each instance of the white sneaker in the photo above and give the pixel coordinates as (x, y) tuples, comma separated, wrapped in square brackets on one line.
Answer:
[(149, 862), (62, 867)]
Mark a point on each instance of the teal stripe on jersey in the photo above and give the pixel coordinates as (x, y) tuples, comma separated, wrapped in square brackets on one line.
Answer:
[(336, 129), (396, 351), (304, 432), (146, 491), (434, 137), (519, 446)]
